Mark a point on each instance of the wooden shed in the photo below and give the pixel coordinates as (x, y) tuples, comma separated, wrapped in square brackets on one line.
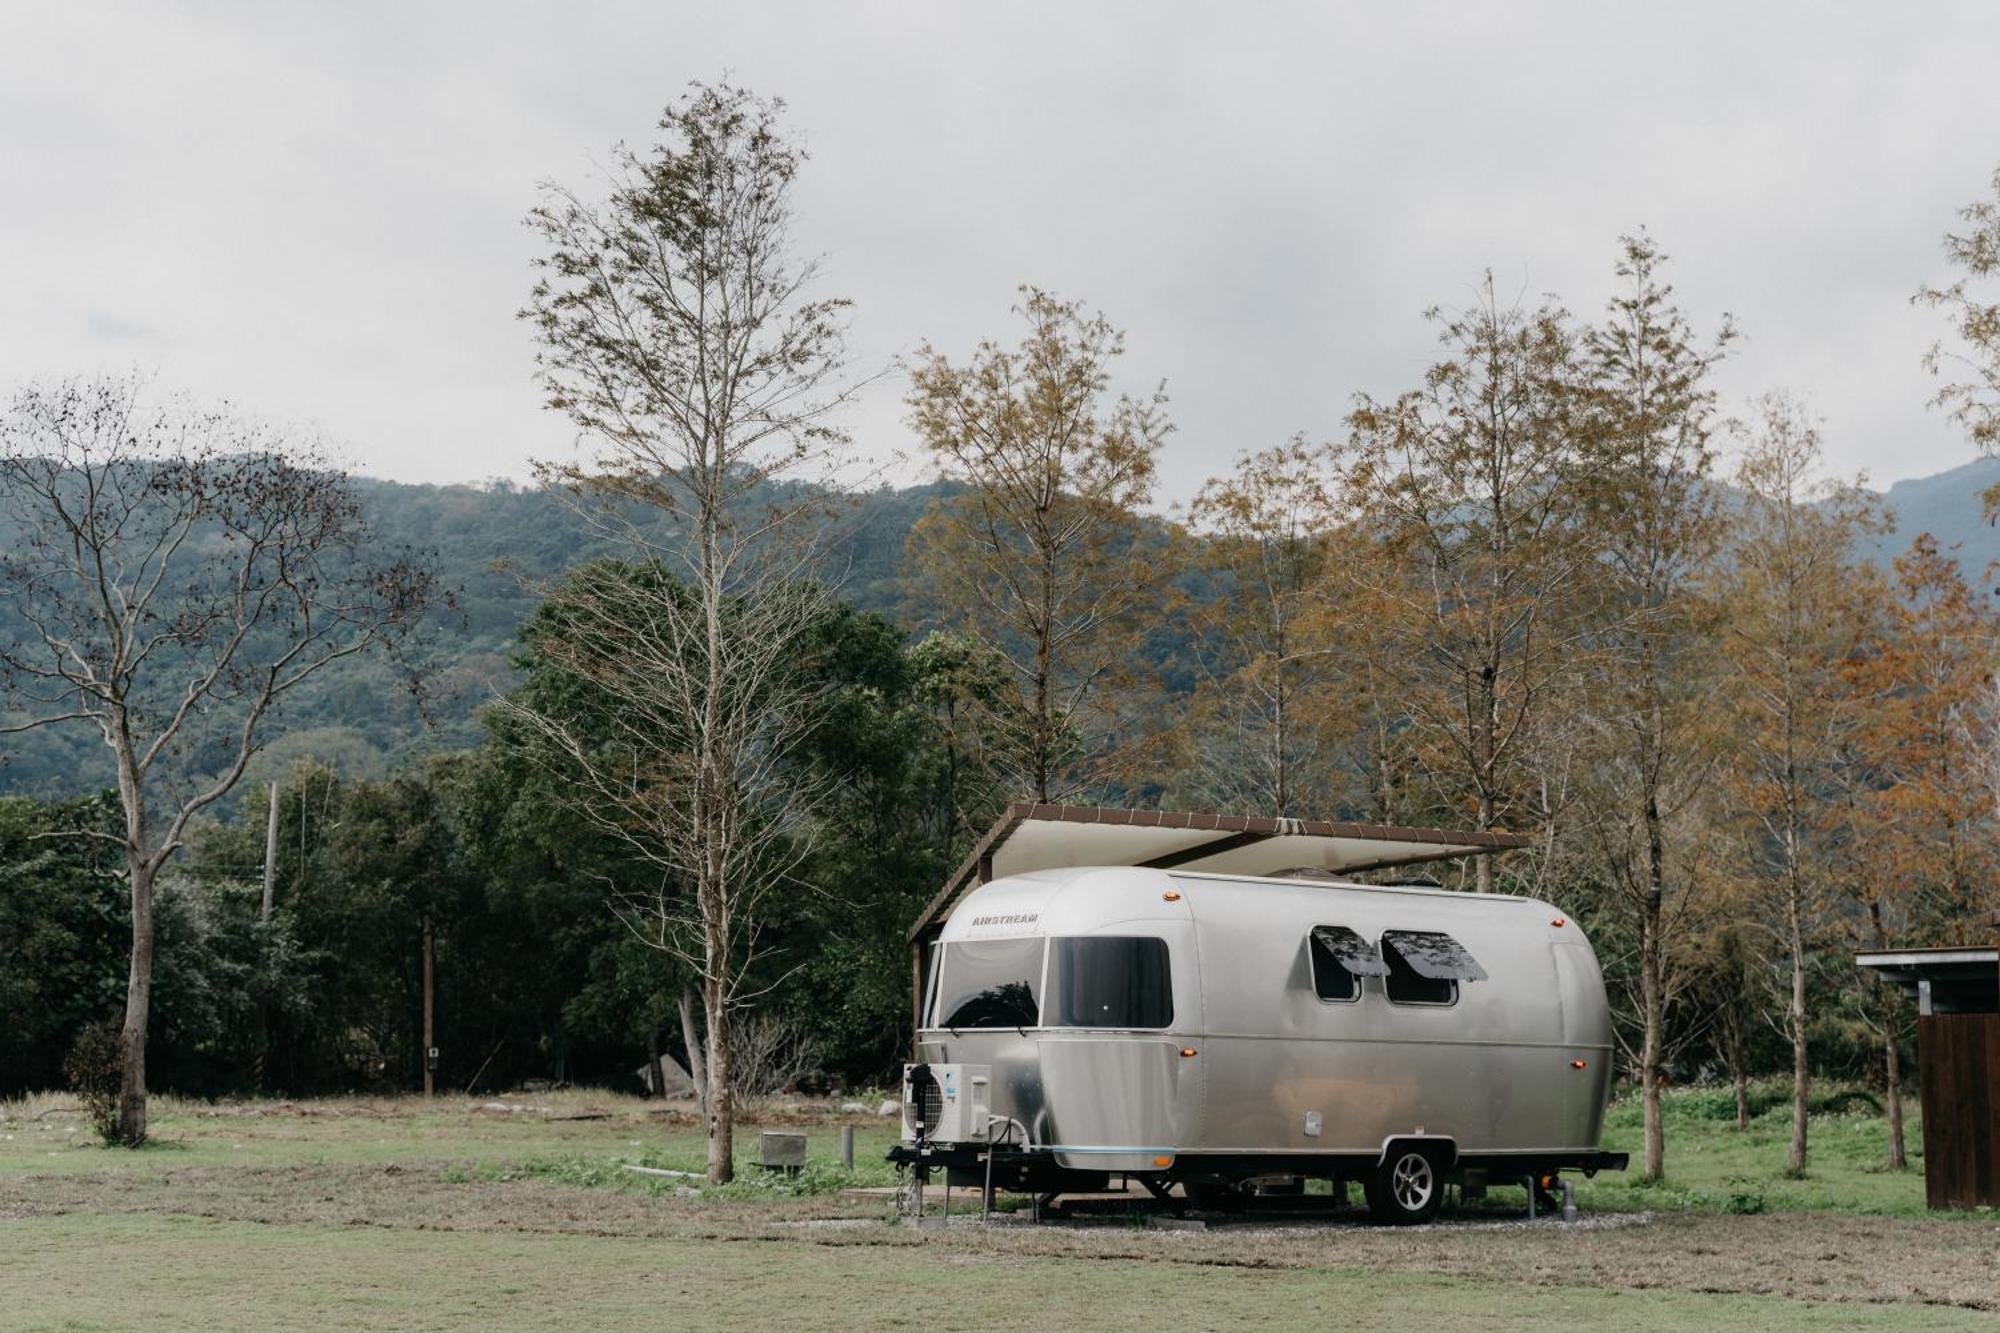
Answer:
[(1957, 991)]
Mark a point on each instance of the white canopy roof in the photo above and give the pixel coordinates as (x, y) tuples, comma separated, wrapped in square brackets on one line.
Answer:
[(1046, 837)]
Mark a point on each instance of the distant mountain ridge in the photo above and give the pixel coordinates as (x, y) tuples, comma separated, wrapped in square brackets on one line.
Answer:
[(1948, 507), (497, 545)]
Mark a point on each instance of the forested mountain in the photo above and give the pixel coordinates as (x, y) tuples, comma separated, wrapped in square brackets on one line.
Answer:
[(496, 546)]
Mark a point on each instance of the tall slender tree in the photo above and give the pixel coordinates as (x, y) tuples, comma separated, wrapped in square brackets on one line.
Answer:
[(1923, 837), (1657, 529), (1256, 730), (1793, 608), (679, 332), (1040, 557), (1472, 485)]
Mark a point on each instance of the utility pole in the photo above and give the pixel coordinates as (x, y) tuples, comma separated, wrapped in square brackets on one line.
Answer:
[(270, 856), (264, 919), (430, 1051)]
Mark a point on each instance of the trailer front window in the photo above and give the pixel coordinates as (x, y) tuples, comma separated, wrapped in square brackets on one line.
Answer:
[(990, 984), (1112, 981)]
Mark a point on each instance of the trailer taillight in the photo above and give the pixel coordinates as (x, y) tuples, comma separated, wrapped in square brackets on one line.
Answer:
[(1172, 895), (1578, 1064), (1558, 923), (1187, 1052)]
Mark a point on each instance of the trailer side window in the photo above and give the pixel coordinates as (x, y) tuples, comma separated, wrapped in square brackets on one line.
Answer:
[(990, 984), (1425, 966), (1340, 958), (1112, 981)]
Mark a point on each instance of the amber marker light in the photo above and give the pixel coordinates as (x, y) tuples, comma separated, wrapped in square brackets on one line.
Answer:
[(1163, 1161), (1172, 895), (1187, 1052), (1578, 1064)]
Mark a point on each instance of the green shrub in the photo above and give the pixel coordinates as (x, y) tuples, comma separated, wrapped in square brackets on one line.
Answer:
[(1745, 1196), (95, 1068)]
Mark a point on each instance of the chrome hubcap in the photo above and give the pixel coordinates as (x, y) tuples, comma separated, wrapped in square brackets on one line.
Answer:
[(1412, 1181)]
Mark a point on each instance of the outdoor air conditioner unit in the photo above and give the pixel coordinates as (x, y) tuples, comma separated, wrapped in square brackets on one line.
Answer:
[(954, 1102)]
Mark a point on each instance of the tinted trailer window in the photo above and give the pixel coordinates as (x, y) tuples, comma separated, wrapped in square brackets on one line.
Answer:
[(1425, 966), (1340, 958), (990, 984), (1112, 981)]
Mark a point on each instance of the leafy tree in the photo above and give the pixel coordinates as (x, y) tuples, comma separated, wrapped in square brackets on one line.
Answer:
[(1922, 802), (1261, 637), (960, 686), (62, 931), (1652, 743), (1039, 558), (1795, 611), (1471, 483)]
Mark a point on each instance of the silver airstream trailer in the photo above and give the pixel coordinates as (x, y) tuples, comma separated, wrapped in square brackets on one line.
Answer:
[(1206, 1003)]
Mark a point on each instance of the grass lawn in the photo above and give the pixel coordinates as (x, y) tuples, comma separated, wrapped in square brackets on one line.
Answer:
[(1712, 1165), (400, 1213)]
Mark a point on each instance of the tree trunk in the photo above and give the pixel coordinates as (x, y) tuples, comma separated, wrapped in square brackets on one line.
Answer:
[(1893, 1066), (1892, 1062), (1650, 1052), (1482, 866), (697, 1067), (1729, 1044), (1801, 1075), (138, 1003), (1045, 725), (720, 1112), (1652, 986)]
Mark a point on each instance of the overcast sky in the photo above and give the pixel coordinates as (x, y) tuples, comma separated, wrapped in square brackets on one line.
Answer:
[(314, 211)]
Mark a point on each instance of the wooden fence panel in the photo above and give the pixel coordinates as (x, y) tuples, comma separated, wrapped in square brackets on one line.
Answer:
[(1959, 1063)]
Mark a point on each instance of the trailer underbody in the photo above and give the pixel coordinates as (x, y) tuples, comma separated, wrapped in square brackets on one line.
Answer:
[(1247, 1183)]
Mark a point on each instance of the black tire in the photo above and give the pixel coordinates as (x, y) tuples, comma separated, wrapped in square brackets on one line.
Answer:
[(1407, 1188)]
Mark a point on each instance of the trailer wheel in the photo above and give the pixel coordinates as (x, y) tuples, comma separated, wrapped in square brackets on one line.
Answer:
[(1407, 1187)]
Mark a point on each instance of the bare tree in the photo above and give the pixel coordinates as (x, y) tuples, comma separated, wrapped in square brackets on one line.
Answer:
[(1039, 558), (678, 332), (171, 574)]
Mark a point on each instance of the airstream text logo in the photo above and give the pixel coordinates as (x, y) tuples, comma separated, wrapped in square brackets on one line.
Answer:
[(1013, 919)]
